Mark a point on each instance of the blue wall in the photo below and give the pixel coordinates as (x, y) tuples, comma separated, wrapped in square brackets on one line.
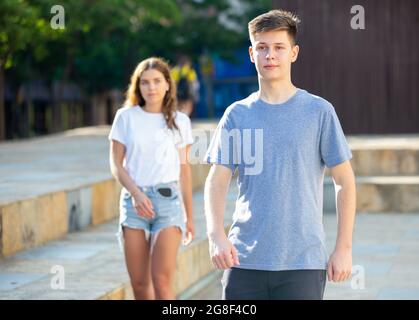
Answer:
[(235, 89)]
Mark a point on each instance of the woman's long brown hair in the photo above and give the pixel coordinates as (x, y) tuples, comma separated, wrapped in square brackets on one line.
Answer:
[(134, 97)]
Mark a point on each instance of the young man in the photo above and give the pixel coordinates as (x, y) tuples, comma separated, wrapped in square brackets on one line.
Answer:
[(275, 248)]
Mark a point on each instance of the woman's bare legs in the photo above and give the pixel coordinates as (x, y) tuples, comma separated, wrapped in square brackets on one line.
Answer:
[(137, 259), (163, 262)]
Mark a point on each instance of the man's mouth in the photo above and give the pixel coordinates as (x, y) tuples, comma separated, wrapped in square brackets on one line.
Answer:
[(270, 66)]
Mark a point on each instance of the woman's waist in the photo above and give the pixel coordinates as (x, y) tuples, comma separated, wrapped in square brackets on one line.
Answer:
[(153, 188)]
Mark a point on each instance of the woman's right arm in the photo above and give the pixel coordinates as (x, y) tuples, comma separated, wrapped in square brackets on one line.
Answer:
[(141, 202)]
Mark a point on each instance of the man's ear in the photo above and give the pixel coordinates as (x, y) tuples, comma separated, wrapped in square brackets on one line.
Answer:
[(251, 54), (295, 51)]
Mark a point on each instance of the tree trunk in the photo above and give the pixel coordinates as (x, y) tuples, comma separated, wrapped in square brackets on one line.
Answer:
[(56, 108), (2, 109), (57, 120)]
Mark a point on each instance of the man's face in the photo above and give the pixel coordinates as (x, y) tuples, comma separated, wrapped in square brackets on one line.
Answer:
[(272, 53)]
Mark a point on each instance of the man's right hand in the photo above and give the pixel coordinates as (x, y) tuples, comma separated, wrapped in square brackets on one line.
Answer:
[(143, 205), (223, 253)]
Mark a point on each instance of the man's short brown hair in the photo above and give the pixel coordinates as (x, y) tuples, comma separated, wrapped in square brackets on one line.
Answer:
[(275, 20)]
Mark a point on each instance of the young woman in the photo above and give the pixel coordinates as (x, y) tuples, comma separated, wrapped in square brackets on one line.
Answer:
[(149, 147)]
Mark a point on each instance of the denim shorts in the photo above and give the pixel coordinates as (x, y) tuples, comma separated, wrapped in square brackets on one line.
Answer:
[(168, 210)]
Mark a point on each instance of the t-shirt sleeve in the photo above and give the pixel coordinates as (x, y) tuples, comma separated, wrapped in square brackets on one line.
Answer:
[(186, 132), (334, 148), (118, 129), (222, 150)]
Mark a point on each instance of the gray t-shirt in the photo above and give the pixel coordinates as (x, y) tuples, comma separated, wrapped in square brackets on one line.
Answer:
[(280, 152)]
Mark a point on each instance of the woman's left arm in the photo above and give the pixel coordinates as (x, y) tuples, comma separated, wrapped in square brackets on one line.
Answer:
[(186, 189)]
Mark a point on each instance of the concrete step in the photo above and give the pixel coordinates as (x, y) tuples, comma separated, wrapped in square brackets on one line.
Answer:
[(385, 155), (379, 194), (382, 155), (385, 162), (89, 262)]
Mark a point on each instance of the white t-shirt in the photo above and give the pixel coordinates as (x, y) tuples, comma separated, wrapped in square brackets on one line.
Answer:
[(151, 148)]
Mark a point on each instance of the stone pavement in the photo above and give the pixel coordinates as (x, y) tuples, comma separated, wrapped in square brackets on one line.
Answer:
[(90, 262), (63, 161)]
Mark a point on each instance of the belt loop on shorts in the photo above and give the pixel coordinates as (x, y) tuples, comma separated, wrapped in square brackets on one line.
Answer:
[(145, 189)]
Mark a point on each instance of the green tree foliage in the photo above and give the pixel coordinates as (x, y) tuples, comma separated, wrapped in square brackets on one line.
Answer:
[(104, 39)]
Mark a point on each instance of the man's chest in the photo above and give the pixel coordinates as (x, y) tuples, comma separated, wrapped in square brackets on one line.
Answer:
[(280, 132)]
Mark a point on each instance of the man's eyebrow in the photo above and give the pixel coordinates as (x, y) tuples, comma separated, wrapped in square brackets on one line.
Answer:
[(282, 43)]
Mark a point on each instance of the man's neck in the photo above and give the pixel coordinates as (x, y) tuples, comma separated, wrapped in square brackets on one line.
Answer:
[(276, 92)]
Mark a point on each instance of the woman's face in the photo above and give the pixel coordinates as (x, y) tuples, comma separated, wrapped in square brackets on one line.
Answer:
[(153, 86)]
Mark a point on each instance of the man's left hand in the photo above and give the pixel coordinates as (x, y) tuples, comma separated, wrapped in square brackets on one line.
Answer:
[(339, 267)]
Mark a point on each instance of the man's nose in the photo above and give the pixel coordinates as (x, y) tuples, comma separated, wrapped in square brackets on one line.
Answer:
[(270, 54)]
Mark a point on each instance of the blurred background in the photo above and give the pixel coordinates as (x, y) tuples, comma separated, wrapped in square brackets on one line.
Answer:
[(57, 79), (61, 87)]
